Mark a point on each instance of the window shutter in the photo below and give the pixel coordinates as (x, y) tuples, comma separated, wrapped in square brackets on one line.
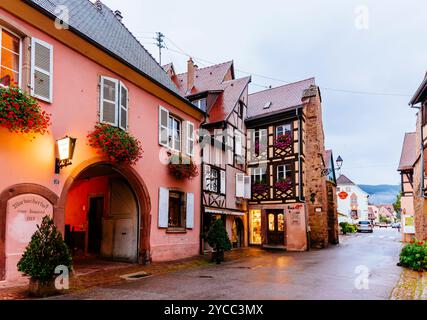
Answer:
[(230, 147), (41, 70), (108, 101), (240, 185), (222, 190), (163, 208), (189, 138), (123, 110), (238, 142), (163, 126), (189, 221), (247, 187), (207, 175)]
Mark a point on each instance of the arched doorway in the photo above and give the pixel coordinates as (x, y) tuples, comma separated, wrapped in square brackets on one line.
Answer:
[(237, 233), (106, 213)]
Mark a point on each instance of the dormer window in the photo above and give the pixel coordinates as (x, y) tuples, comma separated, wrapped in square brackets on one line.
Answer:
[(10, 58), (200, 103)]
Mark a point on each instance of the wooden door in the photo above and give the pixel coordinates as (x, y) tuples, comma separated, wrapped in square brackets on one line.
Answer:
[(96, 210), (275, 227)]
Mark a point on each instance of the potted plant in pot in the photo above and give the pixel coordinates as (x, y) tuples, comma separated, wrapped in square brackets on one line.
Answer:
[(46, 251), (218, 239)]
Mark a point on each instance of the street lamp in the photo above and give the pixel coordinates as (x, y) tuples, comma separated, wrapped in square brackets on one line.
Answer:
[(65, 151), (339, 162)]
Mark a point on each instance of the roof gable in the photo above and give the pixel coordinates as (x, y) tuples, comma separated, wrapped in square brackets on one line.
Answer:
[(342, 179), (409, 152)]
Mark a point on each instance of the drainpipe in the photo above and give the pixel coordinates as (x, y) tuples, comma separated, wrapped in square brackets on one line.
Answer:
[(300, 186), (422, 195), (201, 241)]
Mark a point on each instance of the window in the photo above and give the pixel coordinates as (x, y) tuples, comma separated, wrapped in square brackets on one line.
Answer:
[(200, 103), (281, 130), (176, 210), (241, 108), (212, 180), (114, 103), (41, 70), (238, 147), (259, 175), (283, 172), (260, 141), (10, 58), (174, 137)]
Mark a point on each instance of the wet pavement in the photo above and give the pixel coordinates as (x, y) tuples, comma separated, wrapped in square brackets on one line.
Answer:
[(362, 266)]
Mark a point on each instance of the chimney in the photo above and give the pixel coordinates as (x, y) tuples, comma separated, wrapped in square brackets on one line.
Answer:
[(118, 15), (98, 5), (190, 74)]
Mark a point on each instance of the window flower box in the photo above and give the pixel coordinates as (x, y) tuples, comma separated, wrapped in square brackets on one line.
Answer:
[(115, 144), (260, 188), (20, 113), (283, 185), (283, 141), (182, 167)]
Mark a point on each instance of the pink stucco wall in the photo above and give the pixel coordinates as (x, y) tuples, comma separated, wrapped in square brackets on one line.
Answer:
[(74, 112)]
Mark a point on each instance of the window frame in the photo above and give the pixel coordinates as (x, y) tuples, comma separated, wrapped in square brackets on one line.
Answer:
[(211, 178), (171, 139), (257, 172), (182, 208), (20, 52), (117, 103), (284, 131), (196, 102)]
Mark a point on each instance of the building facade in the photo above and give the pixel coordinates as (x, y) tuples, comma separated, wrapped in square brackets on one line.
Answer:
[(352, 201), (289, 194), (136, 213), (406, 170)]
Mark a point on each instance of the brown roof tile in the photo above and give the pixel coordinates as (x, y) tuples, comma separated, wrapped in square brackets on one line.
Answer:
[(409, 152), (281, 98), (342, 179)]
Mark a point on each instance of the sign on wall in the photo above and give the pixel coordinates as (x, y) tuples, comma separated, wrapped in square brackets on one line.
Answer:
[(295, 213), (343, 195), (408, 223), (24, 213)]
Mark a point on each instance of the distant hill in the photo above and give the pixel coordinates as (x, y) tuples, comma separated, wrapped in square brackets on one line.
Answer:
[(381, 194)]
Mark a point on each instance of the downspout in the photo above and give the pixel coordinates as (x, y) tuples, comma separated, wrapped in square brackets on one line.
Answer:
[(422, 195), (202, 174), (300, 186)]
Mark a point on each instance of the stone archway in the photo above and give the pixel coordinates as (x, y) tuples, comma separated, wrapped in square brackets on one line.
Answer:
[(139, 188), (12, 192)]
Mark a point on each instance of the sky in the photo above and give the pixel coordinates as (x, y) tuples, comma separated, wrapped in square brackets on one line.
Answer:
[(367, 57)]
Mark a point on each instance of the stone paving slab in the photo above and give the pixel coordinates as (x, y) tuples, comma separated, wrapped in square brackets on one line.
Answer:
[(412, 285)]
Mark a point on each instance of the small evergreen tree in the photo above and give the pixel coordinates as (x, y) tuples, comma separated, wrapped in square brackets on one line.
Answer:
[(44, 253), (218, 239)]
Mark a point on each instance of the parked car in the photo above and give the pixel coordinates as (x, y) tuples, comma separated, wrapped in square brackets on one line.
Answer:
[(365, 226), (383, 225), (395, 225)]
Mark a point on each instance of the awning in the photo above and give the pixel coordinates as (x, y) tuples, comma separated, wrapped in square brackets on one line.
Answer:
[(226, 212)]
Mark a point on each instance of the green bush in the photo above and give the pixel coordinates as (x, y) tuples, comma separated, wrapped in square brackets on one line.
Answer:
[(348, 228), (44, 253), (218, 239), (414, 256)]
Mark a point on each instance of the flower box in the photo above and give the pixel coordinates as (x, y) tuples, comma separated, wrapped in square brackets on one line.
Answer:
[(115, 144), (182, 168), (20, 113), (260, 188), (283, 185), (283, 141)]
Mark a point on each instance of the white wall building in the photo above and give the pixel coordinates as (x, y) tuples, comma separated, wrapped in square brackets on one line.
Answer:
[(352, 201)]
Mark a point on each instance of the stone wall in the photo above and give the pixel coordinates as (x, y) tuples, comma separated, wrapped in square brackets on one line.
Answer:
[(314, 183), (420, 203)]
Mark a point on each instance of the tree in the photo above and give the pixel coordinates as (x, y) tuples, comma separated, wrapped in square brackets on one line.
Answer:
[(397, 205), (46, 251), (218, 239)]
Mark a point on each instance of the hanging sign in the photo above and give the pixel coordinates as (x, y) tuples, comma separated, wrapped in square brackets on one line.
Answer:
[(343, 195)]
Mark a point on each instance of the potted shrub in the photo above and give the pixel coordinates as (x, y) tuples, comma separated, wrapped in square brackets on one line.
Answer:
[(218, 239), (283, 141), (44, 253), (20, 113), (182, 168), (115, 144), (414, 256)]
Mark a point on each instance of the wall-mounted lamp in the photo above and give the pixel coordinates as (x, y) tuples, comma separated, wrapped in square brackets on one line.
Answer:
[(65, 151), (339, 162)]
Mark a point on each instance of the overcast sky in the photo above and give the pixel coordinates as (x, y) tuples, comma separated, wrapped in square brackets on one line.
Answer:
[(375, 46)]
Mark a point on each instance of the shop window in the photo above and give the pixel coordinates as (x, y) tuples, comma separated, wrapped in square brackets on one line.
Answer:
[(10, 58), (176, 210), (281, 222), (255, 226)]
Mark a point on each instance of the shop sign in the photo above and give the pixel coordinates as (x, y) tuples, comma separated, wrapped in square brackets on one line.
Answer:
[(343, 195), (408, 224)]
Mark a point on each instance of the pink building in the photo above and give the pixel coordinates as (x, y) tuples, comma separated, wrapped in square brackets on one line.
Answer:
[(93, 70)]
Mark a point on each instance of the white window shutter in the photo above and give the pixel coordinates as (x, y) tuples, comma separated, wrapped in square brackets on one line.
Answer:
[(230, 147), (247, 187), (163, 208), (240, 185), (238, 142), (123, 109), (41, 70), (207, 176), (109, 95), (189, 221), (189, 138), (222, 190), (163, 127)]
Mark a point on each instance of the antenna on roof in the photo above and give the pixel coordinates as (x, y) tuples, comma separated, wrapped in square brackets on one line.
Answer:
[(160, 44)]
